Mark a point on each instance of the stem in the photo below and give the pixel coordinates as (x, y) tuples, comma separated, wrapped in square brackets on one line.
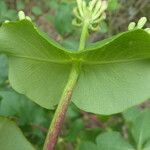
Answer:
[(61, 110), (83, 38), (139, 147), (59, 116)]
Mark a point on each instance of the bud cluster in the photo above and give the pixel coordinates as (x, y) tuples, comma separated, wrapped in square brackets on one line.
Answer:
[(22, 16), (91, 14), (139, 25)]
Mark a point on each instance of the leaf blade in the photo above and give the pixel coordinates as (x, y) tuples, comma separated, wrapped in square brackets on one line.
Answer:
[(141, 131), (34, 63), (15, 139), (123, 47), (108, 141), (109, 89), (23, 37), (39, 56)]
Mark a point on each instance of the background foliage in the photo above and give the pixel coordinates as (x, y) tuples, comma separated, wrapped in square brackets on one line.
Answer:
[(82, 130)]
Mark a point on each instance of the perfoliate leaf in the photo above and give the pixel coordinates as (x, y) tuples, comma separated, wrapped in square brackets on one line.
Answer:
[(114, 74), (37, 69), (122, 48), (11, 137), (112, 88)]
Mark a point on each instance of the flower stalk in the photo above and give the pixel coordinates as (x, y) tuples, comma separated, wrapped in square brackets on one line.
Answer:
[(87, 17)]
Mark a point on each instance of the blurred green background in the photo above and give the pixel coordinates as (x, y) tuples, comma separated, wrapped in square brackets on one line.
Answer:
[(54, 17)]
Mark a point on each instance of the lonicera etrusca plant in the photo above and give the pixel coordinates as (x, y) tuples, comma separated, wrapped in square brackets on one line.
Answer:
[(104, 78)]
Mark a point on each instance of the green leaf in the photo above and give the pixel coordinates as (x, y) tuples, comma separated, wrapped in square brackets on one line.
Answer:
[(42, 63), (141, 130), (90, 134), (112, 88), (124, 47), (5, 13), (113, 5), (112, 141), (147, 146), (11, 137), (3, 7), (73, 112), (71, 44), (103, 27), (20, 5), (75, 129), (131, 114), (53, 4), (14, 104), (87, 146), (63, 21), (108, 141), (140, 127), (114, 75), (3, 68), (36, 10), (10, 15)]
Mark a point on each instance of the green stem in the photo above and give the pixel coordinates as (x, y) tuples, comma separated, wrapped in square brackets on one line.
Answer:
[(139, 147), (61, 110), (84, 36)]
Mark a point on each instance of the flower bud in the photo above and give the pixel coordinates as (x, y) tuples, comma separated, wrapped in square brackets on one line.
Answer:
[(131, 26), (6, 21), (147, 30), (141, 22), (21, 15), (28, 18), (139, 25)]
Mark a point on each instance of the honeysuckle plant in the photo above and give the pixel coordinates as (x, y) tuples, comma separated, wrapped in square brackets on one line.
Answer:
[(106, 77)]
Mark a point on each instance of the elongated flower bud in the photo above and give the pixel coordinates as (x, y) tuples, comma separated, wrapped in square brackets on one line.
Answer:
[(147, 30), (131, 26), (6, 21), (21, 15), (28, 18), (142, 21)]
